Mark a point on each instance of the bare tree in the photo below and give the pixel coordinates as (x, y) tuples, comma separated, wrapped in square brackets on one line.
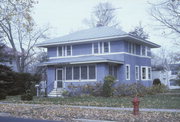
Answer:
[(164, 58), (103, 15), (19, 29), (167, 13), (139, 32)]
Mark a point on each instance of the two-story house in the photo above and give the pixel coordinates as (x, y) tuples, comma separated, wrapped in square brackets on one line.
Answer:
[(88, 56)]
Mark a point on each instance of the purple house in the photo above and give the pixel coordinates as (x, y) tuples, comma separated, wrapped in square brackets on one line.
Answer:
[(87, 56)]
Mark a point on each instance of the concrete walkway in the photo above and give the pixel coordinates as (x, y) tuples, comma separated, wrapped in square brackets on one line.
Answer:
[(94, 107)]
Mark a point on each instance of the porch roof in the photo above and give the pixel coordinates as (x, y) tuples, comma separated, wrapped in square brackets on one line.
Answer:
[(80, 60)]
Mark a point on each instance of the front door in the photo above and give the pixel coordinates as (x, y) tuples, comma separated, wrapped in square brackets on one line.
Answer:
[(59, 78)]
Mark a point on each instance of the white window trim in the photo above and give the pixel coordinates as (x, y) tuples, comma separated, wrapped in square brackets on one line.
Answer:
[(147, 73), (150, 73), (129, 77), (66, 50), (58, 51), (98, 48), (136, 66), (81, 80), (108, 47)]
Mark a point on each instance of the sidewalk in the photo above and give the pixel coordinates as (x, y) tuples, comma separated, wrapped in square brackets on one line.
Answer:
[(94, 107)]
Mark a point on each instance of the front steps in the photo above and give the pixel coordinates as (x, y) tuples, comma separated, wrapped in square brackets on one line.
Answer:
[(56, 93)]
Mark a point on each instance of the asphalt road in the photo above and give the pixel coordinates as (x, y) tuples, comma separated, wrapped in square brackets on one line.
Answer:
[(12, 119)]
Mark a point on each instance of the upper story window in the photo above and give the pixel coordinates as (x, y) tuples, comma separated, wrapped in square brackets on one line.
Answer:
[(60, 51), (68, 50), (143, 51), (96, 48), (106, 47), (131, 48), (127, 71), (64, 51)]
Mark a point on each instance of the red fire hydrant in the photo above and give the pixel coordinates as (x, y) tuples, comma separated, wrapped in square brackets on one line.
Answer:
[(136, 105)]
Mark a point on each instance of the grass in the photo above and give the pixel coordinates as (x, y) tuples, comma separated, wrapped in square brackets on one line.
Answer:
[(151, 101)]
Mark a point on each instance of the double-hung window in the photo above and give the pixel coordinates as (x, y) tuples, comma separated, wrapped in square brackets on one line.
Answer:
[(145, 73), (60, 51), (106, 47), (143, 50), (68, 50), (149, 72), (113, 70), (127, 71), (137, 72), (96, 48)]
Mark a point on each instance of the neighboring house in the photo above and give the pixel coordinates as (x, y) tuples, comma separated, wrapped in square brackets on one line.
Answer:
[(87, 56), (167, 77), (9, 59)]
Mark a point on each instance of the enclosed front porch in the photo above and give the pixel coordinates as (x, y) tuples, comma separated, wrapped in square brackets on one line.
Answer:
[(62, 76)]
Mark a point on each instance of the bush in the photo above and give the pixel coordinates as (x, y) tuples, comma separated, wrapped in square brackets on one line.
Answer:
[(2, 94), (27, 96), (65, 93), (108, 86), (156, 82), (157, 89), (81, 90), (130, 90)]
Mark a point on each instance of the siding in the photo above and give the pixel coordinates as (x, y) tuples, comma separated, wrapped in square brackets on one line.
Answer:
[(82, 49), (52, 51), (117, 46)]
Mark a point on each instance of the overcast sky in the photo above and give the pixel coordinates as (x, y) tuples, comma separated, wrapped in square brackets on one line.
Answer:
[(65, 16)]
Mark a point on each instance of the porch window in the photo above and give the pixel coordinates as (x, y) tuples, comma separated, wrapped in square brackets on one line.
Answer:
[(68, 73), (76, 73), (92, 72), (106, 47), (127, 72), (137, 72), (84, 72), (96, 48), (60, 51), (68, 50)]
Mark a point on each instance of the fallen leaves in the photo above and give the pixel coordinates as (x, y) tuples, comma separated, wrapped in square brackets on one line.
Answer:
[(54, 112)]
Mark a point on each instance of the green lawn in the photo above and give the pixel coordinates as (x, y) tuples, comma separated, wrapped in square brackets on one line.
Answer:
[(152, 101)]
